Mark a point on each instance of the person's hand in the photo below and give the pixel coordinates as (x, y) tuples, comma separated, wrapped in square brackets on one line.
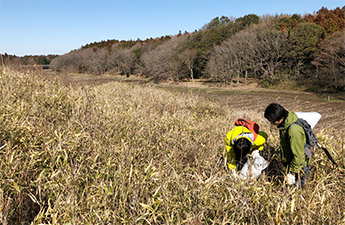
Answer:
[(290, 179)]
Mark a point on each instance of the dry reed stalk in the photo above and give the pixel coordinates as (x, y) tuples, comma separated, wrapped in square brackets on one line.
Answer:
[(118, 153)]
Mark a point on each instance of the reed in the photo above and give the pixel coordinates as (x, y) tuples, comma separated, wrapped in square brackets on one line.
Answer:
[(119, 153)]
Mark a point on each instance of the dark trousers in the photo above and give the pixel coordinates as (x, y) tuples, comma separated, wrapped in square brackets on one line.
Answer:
[(301, 177)]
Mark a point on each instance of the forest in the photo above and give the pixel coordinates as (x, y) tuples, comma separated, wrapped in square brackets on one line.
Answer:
[(26, 60), (301, 51)]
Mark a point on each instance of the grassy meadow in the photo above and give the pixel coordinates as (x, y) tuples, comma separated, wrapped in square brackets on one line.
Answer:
[(135, 154)]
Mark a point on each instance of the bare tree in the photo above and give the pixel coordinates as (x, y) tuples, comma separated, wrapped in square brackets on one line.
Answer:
[(68, 62), (161, 62), (188, 57), (82, 61), (93, 61), (330, 61), (270, 51), (122, 60), (220, 65), (234, 57)]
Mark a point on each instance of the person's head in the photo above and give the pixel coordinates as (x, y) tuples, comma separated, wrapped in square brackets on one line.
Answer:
[(242, 147), (275, 113)]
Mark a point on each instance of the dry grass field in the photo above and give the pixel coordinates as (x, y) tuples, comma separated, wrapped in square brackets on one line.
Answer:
[(123, 153)]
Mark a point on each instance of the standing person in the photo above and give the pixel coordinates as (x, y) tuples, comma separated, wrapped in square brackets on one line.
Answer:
[(241, 141), (292, 143)]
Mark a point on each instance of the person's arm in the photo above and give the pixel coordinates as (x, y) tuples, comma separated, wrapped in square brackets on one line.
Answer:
[(230, 154), (297, 141)]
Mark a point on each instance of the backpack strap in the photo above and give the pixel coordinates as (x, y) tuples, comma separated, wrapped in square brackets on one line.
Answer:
[(307, 148)]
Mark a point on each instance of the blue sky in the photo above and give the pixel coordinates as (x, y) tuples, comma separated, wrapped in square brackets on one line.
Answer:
[(41, 27)]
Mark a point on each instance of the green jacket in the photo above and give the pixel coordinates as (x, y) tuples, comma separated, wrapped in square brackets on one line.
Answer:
[(292, 144)]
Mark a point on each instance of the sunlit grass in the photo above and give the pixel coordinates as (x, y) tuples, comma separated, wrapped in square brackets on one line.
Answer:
[(120, 153)]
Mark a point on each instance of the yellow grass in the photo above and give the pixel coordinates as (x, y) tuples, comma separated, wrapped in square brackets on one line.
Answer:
[(119, 153)]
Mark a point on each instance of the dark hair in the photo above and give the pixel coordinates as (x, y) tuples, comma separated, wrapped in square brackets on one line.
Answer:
[(274, 112), (242, 147)]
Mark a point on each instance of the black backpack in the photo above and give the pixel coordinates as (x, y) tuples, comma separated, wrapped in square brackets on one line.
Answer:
[(309, 135), (311, 139)]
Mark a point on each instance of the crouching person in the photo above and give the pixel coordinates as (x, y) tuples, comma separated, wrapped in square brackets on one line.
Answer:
[(292, 143), (240, 142)]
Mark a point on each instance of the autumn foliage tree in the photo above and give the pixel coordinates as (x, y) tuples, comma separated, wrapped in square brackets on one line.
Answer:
[(330, 20)]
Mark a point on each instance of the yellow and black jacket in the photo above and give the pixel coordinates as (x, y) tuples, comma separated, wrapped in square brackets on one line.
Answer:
[(242, 132)]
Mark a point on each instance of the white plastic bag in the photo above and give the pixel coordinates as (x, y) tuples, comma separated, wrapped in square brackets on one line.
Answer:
[(311, 117), (253, 167)]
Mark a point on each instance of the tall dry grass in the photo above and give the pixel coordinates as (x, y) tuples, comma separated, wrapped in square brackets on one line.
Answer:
[(118, 153)]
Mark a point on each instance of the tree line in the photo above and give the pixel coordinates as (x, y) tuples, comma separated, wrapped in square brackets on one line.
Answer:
[(14, 60), (306, 50)]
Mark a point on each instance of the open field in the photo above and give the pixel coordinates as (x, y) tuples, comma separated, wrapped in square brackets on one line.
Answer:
[(238, 96), (90, 151)]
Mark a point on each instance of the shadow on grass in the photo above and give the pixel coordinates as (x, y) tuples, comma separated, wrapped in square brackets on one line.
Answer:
[(275, 170)]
